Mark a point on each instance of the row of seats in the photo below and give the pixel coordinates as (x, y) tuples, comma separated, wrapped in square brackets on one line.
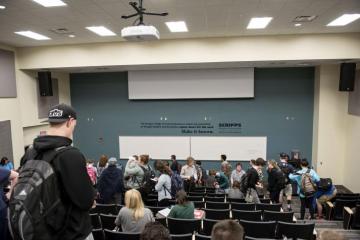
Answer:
[(351, 218), (334, 210)]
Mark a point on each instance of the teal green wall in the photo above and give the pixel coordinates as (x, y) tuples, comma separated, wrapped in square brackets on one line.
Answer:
[(104, 111)]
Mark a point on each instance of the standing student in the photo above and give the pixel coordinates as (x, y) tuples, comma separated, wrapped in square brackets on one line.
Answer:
[(225, 166), (111, 184), (188, 173), (323, 196), (237, 173), (6, 176), (101, 165), (275, 181), (286, 168), (77, 192), (133, 216), (253, 179), (306, 179), (163, 186), (175, 166)]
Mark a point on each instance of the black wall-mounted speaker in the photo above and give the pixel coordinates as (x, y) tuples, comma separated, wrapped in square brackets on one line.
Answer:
[(347, 77), (45, 84)]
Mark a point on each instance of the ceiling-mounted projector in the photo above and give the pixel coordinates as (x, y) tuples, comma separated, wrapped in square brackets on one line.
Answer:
[(140, 33)]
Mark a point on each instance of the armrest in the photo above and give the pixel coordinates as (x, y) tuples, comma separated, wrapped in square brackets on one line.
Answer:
[(348, 216), (329, 208)]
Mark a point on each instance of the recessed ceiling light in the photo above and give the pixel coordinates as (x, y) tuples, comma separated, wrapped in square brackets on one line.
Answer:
[(101, 30), (344, 20), (2, 7), (71, 35), (50, 3), (297, 24), (33, 35), (259, 23), (179, 26)]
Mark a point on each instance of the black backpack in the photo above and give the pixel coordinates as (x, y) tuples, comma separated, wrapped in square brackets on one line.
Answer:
[(244, 183), (281, 181), (147, 185), (325, 184), (36, 211)]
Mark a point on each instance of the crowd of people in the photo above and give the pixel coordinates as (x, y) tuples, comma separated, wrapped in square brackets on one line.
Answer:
[(81, 183)]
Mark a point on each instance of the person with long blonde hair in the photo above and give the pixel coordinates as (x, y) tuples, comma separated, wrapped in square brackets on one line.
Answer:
[(133, 216)]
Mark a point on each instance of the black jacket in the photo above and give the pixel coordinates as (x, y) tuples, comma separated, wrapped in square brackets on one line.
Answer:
[(253, 178), (274, 179), (110, 183), (78, 193)]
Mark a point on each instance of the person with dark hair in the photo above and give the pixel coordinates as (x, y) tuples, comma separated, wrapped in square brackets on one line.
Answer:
[(101, 165), (306, 179), (6, 163), (183, 209), (111, 184), (163, 186), (211, 180), (155, 231), (276, 181), (225, 166), (253, 181), (200, 172), (77, 192), (6, 176), (286, 168), (227, 230), (175, 166), (188, 173), (237, 173)]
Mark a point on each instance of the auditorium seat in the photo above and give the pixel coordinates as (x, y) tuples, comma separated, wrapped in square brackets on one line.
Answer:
[(334, 211), (151, 202), (265, 200), (208, 224), (269, 207), (210, 190), (243, 206), (217, 205), (202, 237), (278, 216), (199, 189), (187, 236), (200, 194), (214, 199), (217, 214), (259, 229), (199, 204), (351, 218), (195, 198), (155, 209), (236, 200), (161, 220), (112, 235), (251, 238), (98, 234), (108, 221), (95, 220), (296, 230), (215, 195), (105, 209), (183, 226), (247, 215)]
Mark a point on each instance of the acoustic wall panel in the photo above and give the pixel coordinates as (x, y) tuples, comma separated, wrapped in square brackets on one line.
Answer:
[(354, 97), (192, 84), (6, 149), (45, 102), (7, 74)]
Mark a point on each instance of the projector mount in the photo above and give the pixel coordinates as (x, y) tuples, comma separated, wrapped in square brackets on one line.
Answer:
[(140, 11)]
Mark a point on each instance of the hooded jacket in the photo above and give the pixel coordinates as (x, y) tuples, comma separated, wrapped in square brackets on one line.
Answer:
[(76, 187), (110, 183)]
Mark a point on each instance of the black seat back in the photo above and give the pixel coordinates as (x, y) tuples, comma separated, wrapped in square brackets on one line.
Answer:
[(217, 214), (105, 209), (183, 226), (214, 199), (112, 235), (265, 200), (243, 206), (202, 237), (339, 206), (95, 220), (107, 221), (236, 200), (155, 209), (201, 194), (151, 202), (98, 234), (295, 230), (215, 195), (247, 215), (195, 198), (217, 205), (269, 207), (356, 218), (199, 204), (278, 216), (208, 225), (259, 229), (187, 236)]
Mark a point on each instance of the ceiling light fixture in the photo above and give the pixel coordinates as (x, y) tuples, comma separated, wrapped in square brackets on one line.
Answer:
[(2, 7), (259, 22), (71, 35), (51, 3), (101, 31), (179, 26), (297, 24), (344, 20), (33, 35)]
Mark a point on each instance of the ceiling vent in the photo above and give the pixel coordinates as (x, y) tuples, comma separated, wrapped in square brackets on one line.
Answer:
[(61, 31), (302, 19)]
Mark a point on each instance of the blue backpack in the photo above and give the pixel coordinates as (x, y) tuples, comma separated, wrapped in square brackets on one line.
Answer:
[(177, 184)]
